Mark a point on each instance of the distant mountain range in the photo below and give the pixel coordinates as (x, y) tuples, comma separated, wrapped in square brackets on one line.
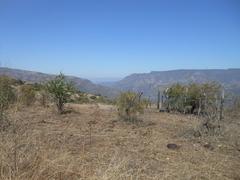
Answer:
[(148, 83), (83, 85)]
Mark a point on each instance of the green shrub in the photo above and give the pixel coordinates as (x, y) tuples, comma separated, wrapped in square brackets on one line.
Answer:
[(192, 97), (129, 105), (202, 99), (7, 95), (61, 91), (175, 96)]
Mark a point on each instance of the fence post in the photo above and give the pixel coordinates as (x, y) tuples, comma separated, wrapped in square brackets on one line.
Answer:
[(221, 105), (158, 102), (199, 106), (162, 106), (140, 96), (149, 101)]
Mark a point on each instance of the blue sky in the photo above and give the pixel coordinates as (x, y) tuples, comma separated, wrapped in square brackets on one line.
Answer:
[(114, 38)]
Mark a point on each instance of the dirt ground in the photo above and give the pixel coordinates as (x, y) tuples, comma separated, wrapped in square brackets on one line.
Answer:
[(90, 142)]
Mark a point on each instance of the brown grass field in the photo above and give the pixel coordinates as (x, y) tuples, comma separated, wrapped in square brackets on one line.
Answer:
[(40, 144)]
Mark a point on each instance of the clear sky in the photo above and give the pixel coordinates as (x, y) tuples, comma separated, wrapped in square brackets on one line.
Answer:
[(114, 38)]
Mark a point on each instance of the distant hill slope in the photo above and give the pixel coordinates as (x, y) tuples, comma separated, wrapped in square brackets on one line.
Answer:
[(149, 83), (83, 85)]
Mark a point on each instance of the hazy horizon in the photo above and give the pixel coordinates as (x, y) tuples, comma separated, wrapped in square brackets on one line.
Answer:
[(100, 80)]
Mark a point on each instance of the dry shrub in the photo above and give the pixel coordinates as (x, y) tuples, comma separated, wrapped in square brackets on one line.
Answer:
[(129, 105), (43, 97), (231, 125), (223, 133), (26, 95), (204, 100), (7, 97)]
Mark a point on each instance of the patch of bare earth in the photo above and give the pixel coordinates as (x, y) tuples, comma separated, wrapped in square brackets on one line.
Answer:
[(89, 142)]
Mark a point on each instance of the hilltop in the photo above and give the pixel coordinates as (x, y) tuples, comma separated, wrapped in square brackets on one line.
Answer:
[(83, 85), (149, 83)]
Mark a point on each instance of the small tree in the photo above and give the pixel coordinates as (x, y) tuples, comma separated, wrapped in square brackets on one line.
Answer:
[(61, 91), (129, 105)]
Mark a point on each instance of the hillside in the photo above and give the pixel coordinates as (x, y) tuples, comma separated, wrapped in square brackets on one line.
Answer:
[(91, 140), (83, 85), (61, 147), (149, 83)]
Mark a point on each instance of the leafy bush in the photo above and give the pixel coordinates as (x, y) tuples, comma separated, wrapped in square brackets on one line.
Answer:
[(61, 91), (192, 98), (204, 99), (129, 105), (175, 95), (27, 94), (7, 95)]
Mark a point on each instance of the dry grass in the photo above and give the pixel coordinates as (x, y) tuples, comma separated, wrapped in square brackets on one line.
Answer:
[(46, 145)]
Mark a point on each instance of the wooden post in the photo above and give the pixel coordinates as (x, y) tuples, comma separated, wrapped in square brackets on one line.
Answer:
[(149, 101), (140, 96), (221, 105), (162, 102), (199, 106), (158, 102), (160, 106)]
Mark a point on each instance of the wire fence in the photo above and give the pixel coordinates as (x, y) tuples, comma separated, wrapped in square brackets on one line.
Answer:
[(205, 106)]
